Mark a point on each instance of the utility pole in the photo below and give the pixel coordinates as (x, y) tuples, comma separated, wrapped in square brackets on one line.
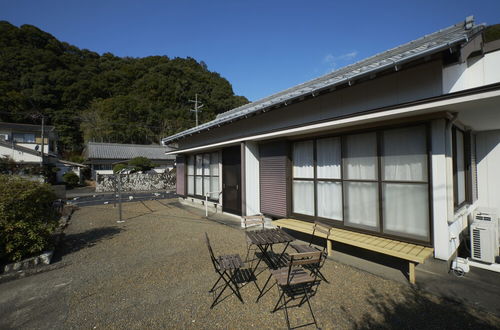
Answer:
[(196, 107), (43, 138)]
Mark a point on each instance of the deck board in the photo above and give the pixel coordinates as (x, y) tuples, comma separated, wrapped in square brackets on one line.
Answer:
[(395, 248)]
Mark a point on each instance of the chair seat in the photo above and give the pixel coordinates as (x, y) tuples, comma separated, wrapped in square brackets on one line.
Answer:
[(297, 276), (303, 248), (230, 262)]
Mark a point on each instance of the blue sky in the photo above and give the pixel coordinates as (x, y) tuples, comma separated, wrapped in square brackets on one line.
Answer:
[(261, 47)]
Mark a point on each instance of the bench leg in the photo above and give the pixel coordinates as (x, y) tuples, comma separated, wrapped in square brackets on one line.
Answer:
[(329, 247), (412, 272)]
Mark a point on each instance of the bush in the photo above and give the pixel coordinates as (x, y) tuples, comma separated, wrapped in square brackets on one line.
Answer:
[(71, 179), (141, 164), (27, 218), (118, 167)]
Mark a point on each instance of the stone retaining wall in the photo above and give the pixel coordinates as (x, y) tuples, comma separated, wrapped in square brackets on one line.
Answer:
[(136, 181)]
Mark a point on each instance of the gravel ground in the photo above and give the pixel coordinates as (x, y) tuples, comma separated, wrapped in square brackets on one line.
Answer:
[(153, 271)]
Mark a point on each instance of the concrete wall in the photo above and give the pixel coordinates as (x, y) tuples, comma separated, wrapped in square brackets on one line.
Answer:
[(475, 72), (403, 86)]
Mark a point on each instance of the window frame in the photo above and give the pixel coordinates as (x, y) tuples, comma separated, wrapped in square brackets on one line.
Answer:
[(467, 167), (380, 181), (203, 175)]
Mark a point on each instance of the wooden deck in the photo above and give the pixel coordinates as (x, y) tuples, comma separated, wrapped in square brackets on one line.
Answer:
[(414, 253)]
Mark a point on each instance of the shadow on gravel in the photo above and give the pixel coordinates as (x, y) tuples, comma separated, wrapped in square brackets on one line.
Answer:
[(417, 311), (75, 242)]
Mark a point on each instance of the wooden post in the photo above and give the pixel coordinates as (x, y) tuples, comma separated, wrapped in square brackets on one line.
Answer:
[(329, 247), (412, 272)]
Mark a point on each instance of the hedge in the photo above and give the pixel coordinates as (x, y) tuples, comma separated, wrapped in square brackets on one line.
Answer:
[(27, 218)]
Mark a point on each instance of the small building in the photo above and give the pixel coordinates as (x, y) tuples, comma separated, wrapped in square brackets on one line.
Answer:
[(23, 142), (101, 157), (403, 146)]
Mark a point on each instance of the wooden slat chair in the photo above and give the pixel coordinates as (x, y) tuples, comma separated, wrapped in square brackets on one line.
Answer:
[(250, 221), (302, 248), (295, 281), (231, 270)]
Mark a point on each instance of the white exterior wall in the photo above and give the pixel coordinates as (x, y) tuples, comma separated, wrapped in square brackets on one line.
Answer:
[(252, 183), (476, 72), (488, 170), (19, 156)]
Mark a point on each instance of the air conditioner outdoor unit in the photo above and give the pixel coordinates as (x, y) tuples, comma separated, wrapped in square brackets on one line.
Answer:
[(489, 217), (484, 241)]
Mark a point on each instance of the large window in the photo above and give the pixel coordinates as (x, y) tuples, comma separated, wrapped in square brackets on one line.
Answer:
[(23, 137), (459, 167), (203, 175), (375, 181)]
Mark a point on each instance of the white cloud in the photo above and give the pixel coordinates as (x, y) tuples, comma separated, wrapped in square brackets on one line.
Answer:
[(334, 61)]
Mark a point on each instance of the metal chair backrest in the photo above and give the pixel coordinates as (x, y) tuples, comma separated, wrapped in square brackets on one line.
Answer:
[(303, 259), (212, 256), (253, 220)]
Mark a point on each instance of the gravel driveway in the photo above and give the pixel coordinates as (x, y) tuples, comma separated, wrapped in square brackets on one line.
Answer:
[(153, 271)]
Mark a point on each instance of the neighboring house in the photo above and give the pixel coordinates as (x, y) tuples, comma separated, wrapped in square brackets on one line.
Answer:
[(23, 142), (403, 145), (101, 157), (65, 166)]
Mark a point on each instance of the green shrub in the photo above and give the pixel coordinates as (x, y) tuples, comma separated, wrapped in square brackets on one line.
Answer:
[(71, 179), (27, 218), (118, 167), (141, 164)]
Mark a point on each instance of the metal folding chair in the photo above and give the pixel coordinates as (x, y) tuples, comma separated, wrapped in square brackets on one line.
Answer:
[(302, 248), (257, 221), (231, 271), (296, 282)]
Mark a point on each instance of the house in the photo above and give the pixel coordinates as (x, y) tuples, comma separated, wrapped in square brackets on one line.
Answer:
[(23, 142), (65, 166), (402, 147), (101, 157)]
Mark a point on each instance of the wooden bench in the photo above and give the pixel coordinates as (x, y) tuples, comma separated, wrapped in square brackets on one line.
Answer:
[(413, 253)]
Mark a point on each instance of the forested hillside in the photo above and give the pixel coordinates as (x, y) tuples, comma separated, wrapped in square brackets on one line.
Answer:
[(88, 96)]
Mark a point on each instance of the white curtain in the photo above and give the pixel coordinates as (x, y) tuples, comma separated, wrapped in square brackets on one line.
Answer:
[(328, 158), (190, 184), (214, 187), (459, 140), (361, 204), (303, 159), (406, 210), (190, 167), (199, 186), (303, 197), (405, 154), (361, 156), (199, 164), (206, 164), (329, 200), (214, 164)]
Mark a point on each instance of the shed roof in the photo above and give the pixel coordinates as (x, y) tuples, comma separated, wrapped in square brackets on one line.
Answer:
[(419, 48), (96, 150)]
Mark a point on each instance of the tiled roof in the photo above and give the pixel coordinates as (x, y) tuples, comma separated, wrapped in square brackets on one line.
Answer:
[(95, 150), (424, 46)]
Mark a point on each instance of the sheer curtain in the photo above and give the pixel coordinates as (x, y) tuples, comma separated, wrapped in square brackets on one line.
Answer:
[(303, 191), (303, 160), (199, 177), (361, 197), (303, 197), (190, 176), (406, 203), (460, 164), (214, 175), (329, 193)]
